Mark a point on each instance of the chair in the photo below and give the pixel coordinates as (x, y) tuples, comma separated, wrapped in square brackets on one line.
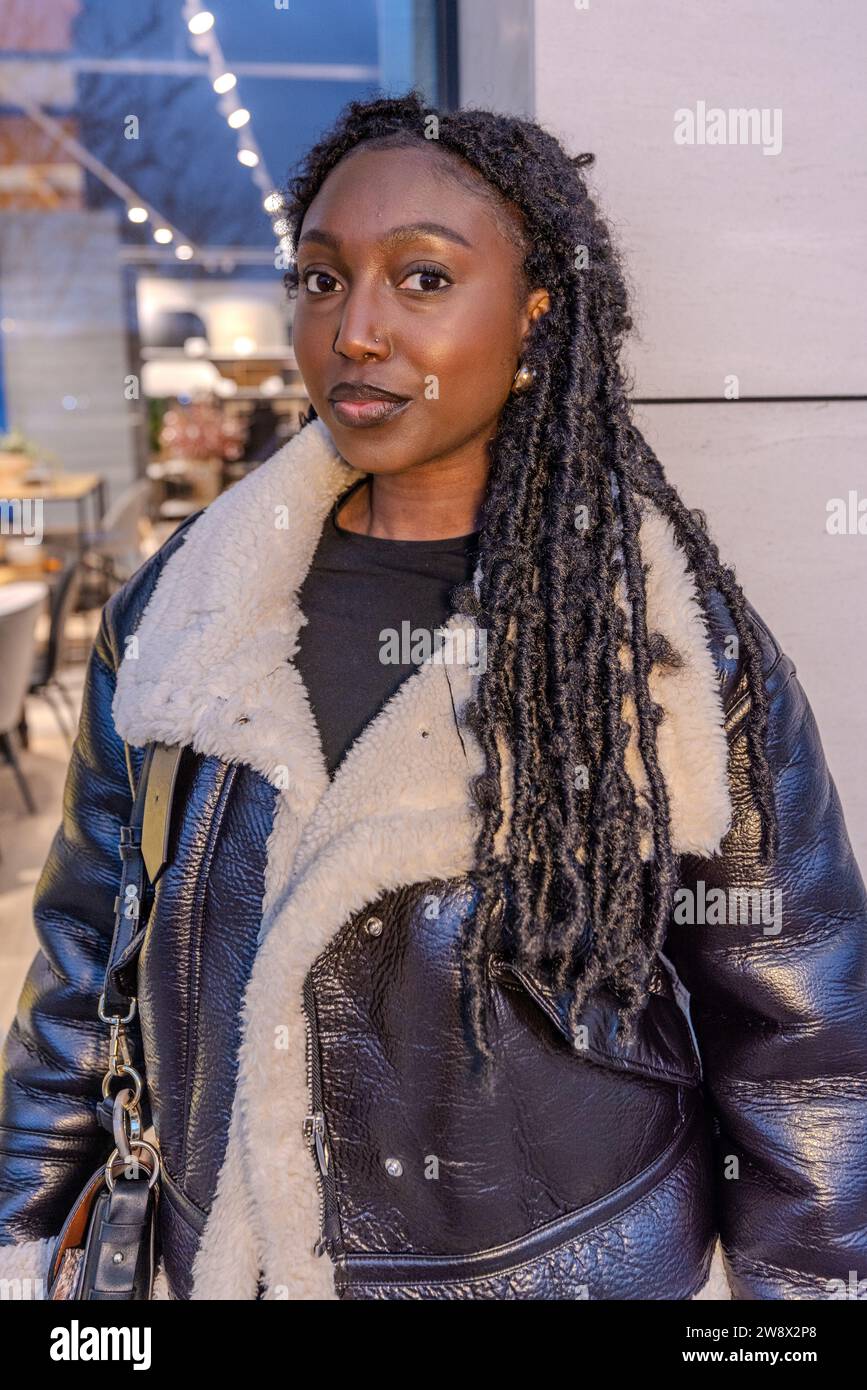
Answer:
[(20, 607), (114, 549), (44, 680)]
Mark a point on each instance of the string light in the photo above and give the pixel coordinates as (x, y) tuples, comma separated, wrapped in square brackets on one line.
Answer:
[(204, 40), (201, 22), (137, 211)]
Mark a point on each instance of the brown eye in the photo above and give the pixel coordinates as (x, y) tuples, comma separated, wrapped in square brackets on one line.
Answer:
[(427, 273), (318, 275)]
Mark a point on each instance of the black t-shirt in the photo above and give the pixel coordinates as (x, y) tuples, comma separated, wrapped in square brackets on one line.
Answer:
[(365, 600)]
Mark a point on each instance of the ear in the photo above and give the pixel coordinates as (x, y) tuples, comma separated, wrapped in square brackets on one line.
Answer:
[(539, 302)]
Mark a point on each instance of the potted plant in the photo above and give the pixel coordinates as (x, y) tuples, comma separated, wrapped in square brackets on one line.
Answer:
[(21, 461)]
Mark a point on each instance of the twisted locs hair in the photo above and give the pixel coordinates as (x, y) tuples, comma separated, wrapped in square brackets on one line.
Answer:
[(571, 891)]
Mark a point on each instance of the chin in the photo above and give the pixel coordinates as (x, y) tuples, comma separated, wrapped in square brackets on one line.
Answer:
[(369, 451)]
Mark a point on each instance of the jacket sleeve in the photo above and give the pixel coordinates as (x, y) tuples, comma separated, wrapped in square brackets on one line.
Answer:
[(55, 1054), (778, 991)]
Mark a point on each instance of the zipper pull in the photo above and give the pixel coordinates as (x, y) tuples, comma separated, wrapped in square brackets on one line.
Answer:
[(314, 1130), (330, 1231)]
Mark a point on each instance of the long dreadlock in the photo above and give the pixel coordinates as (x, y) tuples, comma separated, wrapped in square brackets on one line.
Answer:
[(571, 890)]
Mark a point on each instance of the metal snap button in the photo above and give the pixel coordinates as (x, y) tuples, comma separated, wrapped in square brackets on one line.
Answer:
[(373, 926), (393, 1167)]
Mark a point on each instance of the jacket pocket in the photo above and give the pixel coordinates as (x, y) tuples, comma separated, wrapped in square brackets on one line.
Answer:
[(618, 1247), (664, 1045)]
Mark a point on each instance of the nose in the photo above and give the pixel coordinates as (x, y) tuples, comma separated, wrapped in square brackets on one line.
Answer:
[(360, 334)]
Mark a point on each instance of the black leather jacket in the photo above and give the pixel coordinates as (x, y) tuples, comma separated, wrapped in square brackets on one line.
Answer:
[(602, 1175)]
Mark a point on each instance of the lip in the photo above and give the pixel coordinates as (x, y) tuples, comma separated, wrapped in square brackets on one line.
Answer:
[(363, 414)]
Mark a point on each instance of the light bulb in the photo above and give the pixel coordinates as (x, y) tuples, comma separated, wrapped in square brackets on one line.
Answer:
[(200, 23)]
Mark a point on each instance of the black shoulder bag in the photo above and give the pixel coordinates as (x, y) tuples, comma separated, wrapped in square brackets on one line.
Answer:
[(107, 1248)]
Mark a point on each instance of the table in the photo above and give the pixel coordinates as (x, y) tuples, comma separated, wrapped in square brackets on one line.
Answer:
[(65, 487), (20, 595), (18, 574)]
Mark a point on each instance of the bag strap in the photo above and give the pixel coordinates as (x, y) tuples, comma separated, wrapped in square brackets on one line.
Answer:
[(118, 1226), (127, 904), (144, 852)]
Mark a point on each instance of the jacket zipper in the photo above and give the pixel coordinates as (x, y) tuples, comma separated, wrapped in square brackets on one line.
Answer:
[(316, 1134)]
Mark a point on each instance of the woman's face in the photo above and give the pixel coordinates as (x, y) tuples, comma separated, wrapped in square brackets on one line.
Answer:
[(431, 315)]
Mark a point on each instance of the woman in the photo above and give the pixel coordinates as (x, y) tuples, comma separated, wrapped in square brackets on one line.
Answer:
[(466, 974)]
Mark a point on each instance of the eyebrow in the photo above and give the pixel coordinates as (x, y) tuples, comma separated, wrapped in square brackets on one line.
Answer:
[(409, 231)]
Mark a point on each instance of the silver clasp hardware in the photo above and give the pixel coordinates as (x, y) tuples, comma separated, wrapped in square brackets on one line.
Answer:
[(109, 1018), (119, 1058), (132, 1168), (314, 1130), (126, 1124)]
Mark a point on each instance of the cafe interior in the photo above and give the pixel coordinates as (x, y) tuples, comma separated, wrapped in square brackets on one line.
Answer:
[(146, 359)]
